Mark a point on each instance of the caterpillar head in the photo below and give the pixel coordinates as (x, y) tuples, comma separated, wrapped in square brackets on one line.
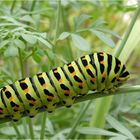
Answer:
[(123, 76)]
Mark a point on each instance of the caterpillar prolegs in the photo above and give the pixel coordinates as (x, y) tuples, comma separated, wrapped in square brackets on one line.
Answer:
[(96, 71)]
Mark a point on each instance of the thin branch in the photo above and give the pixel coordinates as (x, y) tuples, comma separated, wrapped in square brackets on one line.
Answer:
[(94, 95)]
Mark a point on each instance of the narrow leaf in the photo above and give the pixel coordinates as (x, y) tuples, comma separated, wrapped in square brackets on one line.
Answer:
[(29, 38), (103, 37), (95, 131), (45, 42), (63, 35), (80, 43), (3, 43), (109, 31), (20, 44), (118, 126), (11, 51)]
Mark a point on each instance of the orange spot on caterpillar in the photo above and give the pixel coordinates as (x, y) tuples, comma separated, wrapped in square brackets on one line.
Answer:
[(92, 79), (81, 84), (104, 75), (67, 92), (55, 71), (22, 81), (40, 76), (87, 67), (1, 111), (50, 98), (119, 65), (11, 98), (70, 65), (102, 62), (15, 108), (44, 85), (74, 73), (84, 58), (61, 81), (101, 54), (26, 90), (33, 102)]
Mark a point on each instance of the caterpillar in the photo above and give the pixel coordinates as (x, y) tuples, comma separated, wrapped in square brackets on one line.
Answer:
[(97, 71)]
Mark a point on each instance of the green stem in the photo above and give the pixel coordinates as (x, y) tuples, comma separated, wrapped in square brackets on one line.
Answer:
[(78, 119), (57, 21), (30, 128), (42, 133), (65, 23), (21, 64), (16, 130), (13, 5), (103, 105), (28, 119), (120, 48), (95, 95), (33, 5)]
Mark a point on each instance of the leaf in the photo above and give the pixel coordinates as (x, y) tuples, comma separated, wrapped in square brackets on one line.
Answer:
[(3, 43), (95, 131), (29, 38), (80, 43), (49, 125), (118, 126), (20, 44), (109, 31), (11, 51), (121, 137), (63, 35), (103, 37), (98, 23), (80, 19), (27, 18), (45, 42), (36, 57)]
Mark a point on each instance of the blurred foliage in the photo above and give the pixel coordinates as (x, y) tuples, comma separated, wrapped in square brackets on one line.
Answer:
[(36, 36)]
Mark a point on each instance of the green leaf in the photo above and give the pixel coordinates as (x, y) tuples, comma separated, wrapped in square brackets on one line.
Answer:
[(29, 38), (44, 41), (109, 31), (49, 125), (63, 35), (27, 18), (20, 44), (95, 131), (4, 43), (118, 126), (103, 37), (36, 57), (80, 43), (97, 23), (11, 51), (80, 19), (121, 137)]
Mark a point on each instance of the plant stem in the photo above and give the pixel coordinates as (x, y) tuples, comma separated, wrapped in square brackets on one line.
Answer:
[(21, 64), (13, 5), (95, 95), (30, 128), (57, 21), (120, 48), (16, 129), (42, 133), (78, 119), (65, 23), (33, 5)]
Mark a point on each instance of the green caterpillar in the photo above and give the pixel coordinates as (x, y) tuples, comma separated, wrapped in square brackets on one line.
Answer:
[(97, 71)]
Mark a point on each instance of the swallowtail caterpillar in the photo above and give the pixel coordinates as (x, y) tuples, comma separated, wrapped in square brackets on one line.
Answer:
[(96, 71)]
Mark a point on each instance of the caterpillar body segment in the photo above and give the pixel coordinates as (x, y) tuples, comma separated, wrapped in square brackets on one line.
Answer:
[(96, 71)]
